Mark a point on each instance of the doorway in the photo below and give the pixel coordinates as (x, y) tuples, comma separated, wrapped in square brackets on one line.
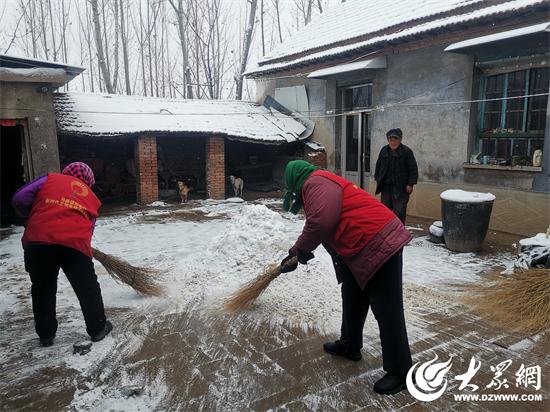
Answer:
[(356, 134), (12, 170)]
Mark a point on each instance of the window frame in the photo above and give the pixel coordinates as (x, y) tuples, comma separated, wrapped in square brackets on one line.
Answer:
[(492, 138)]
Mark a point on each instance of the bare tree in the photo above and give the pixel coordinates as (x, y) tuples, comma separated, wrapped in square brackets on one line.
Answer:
[(262, 25), (182, 22), (125, 60), (246, 48), (278, 15), (99, 47)]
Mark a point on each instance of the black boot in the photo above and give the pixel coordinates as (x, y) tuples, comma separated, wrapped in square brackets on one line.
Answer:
[(340, 348), (390, 384), (46, 341), (103, 332)]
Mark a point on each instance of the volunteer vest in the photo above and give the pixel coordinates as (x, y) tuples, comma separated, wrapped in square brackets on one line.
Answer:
[(62, 214), (361, 218)]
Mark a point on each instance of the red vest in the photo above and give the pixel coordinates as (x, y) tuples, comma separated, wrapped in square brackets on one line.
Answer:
[(63, 213), (361, 218)]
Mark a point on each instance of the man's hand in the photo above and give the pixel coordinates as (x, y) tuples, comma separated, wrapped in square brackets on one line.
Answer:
[(409, 189)]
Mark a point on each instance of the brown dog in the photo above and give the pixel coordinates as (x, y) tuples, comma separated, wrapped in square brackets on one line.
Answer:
[(184, 190)]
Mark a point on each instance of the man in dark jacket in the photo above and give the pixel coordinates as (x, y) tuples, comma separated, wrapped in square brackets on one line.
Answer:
[(365, 240), (396, 173)]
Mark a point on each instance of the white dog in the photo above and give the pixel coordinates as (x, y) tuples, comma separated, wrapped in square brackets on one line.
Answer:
[(238, 185)]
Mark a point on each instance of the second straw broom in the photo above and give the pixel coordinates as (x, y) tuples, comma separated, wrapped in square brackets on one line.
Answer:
[(248, 293)]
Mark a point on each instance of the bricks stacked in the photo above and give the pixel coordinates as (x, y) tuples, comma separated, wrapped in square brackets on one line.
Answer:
[(147, 171), (215, 168)]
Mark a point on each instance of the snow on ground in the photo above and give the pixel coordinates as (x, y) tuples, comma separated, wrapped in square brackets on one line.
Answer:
[(204, 251)]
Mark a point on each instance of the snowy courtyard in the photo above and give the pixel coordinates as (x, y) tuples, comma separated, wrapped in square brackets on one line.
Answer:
[(180, 351)]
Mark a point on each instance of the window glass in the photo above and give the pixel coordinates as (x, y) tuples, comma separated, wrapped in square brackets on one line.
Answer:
[(352, 143), (512, 129), (357, 98), (537, 105), (515, 107), (493, 109), (366, 142)]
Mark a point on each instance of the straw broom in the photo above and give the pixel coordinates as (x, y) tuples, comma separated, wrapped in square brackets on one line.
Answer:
[(519, 302), (138, 278), (248, 293)]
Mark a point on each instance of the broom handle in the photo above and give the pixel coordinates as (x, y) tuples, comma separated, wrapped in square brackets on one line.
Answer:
[(292, 261)]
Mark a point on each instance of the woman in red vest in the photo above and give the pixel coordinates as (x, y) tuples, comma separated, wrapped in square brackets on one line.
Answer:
[(365, 240), (61, 210)]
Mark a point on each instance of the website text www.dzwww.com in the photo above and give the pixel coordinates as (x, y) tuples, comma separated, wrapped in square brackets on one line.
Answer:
[(498, 397)]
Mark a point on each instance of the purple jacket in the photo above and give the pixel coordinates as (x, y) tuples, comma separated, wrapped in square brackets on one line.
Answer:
[(23, 199), (325, 199)]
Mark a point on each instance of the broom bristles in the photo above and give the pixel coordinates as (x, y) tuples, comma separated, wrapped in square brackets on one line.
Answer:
[(138, 278), (519, 302), (248, 293)]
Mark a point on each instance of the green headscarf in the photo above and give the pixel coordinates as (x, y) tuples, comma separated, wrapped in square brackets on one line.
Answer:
[(296, 173)]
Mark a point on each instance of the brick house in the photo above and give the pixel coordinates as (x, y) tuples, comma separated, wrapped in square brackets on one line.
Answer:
[(466, 81), (139, 146)]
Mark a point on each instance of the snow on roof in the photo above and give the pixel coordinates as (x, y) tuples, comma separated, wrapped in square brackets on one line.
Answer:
[(27, 62), (89, 114), (462, 196), (376, 63), (499, 36), (380, 18)]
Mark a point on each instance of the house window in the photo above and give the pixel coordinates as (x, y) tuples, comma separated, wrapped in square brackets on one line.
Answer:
[(511, 130)]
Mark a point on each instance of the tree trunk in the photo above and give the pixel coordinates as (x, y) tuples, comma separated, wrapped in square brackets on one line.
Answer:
[(262, 25), (246, 48), (52, 30), (43, 30), (99, 46), (187, 87), (276, 4), (124, 38)]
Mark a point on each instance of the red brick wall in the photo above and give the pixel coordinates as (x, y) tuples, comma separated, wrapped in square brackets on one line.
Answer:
[(215, 168), (147, 171)]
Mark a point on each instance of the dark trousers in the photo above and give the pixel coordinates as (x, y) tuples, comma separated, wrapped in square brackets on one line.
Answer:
[(384, 294), (43, 262), (396, 201)]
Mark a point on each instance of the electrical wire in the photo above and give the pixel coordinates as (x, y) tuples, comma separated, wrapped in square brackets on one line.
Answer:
[(357, 110)]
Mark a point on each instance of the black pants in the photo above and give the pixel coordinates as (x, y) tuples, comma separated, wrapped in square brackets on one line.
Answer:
[(43, 262), (384, 294), (396, 201)]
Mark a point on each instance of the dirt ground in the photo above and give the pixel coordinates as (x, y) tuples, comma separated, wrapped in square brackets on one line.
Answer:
[(208, 360)]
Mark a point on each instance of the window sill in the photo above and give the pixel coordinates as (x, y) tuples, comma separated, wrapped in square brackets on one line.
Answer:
[(508, 168)]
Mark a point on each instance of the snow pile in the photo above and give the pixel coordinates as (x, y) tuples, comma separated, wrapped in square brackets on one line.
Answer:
[(462, 196)]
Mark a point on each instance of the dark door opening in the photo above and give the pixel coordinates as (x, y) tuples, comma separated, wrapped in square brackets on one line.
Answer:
[(12, 172)]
